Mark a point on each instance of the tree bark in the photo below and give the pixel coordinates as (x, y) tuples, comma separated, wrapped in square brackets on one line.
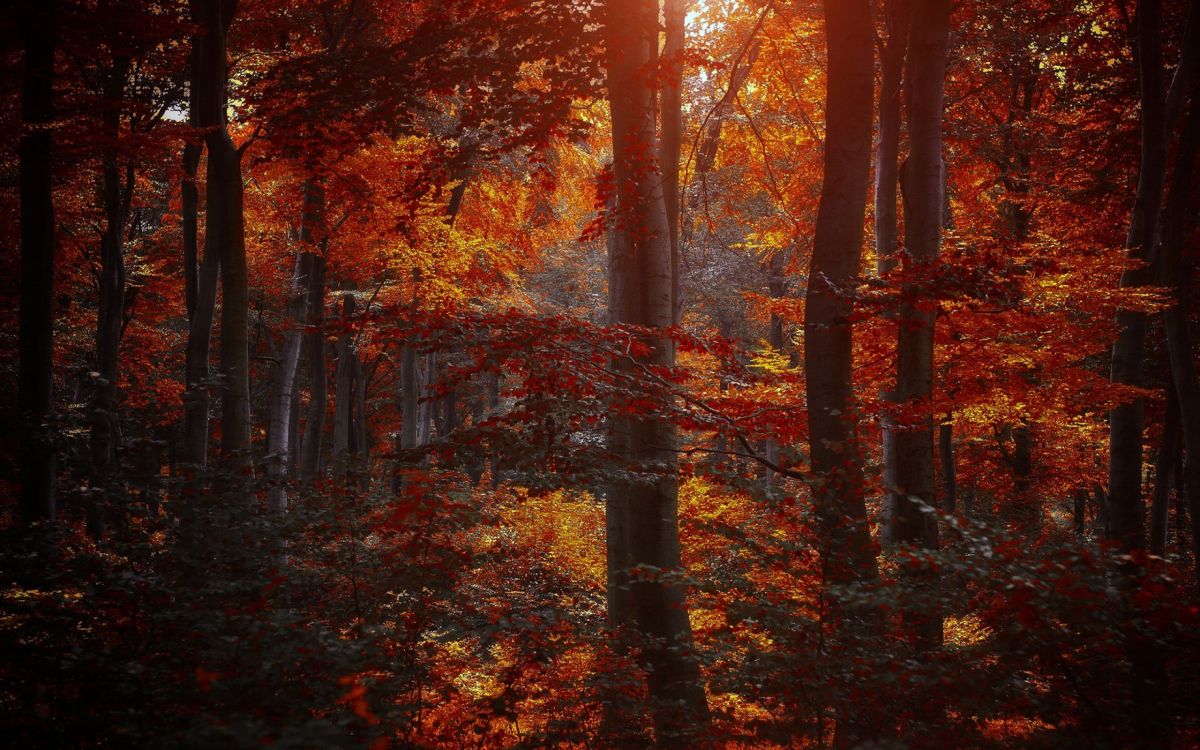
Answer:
[(224, 253), (318, 383), (915, 489), (343, 412), (1126, 421), (225, 227), (1180, 345), (836, 454), (777, 288), (282, 391), (923, 199), (110, 318), (670, 140), (887, 147), (949, 472), (642, 292), (887, 179), (1163, 474), (38, 23), (225, 220)]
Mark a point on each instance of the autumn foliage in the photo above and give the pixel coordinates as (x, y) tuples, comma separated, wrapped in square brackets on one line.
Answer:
[(603, 373)]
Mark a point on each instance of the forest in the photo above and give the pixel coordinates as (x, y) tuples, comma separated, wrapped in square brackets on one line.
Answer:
[(600, 374)]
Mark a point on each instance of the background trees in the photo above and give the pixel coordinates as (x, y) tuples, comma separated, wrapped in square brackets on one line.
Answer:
[(542, 421)]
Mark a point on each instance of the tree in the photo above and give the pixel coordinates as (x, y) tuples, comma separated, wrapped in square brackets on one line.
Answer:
[(39, 23), (887, 181), (924, 186), (1160, 110), (643, 536), (836, 453)]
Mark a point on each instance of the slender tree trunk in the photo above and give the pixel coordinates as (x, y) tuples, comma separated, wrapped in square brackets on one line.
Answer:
[(318, 383), (409, 402), (293, 457), (282, 392), (849, 554), (199, 279), (1180, 344), (225, 227), (642, 292), (38, 23), (1028, 511), (777, 288), (1025, 512), (847, 550), (110, 318), (915, 489), (314, 241), (706, 155), (362, 430), (1126, 421), (225, 190), (1163, 474), (887, 179), (199, 342), (343, 412), (189, 191), (949, 473), (670, 138)]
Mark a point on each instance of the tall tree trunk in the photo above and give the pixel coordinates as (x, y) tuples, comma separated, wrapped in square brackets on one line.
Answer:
[(670, 134), (110, 318), (777, 289), (225, 228), (282, 391), (1163, 474), (924, 179), (642, 289), (1180, 345), (313, 242), (225, 199), (199, 342), (189, 191), (1126, 421), (410, 397), (343, 411), (38, 23), (949, 473), (362, 432), (835, 450), (293, 457), (426, 378), (1025, 512), (887, 180), (836, 453), (318, 383)]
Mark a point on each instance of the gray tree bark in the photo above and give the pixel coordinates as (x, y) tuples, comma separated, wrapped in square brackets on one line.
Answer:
[(915, 489), (279, 433), (670, 134), (835, 450), (923, 199), (887, 180), (343, 413), (318, 383), (642, 512)]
